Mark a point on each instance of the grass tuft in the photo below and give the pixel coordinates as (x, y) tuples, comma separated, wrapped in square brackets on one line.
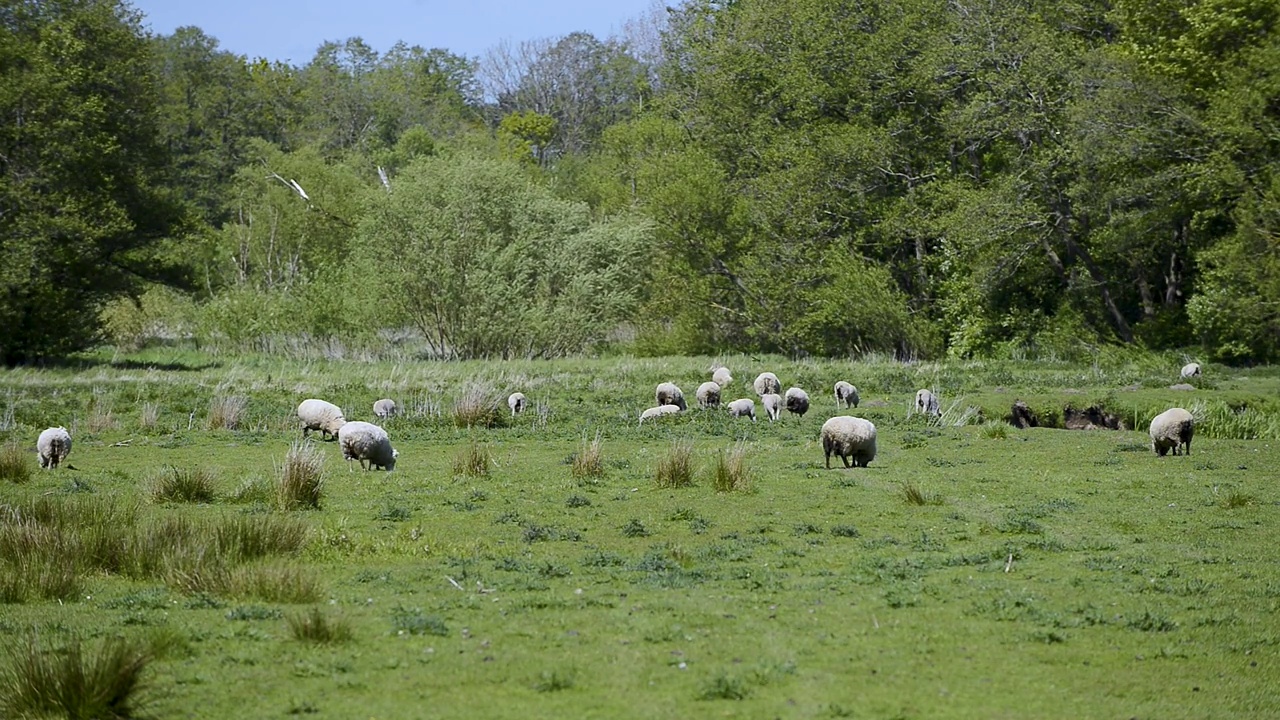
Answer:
[(996, 430), (913, 495), (227, 412), (675, 469), (589, 463), (15, 464), (302, 478), (313, 626), (730, 473), (275, 584), (183, 485), (1236, 499), (478, 407), (67, 682), (553, 681), (472, 461), (148, 415)]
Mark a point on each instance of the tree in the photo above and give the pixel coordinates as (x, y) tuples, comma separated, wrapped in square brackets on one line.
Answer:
[(83, 214)]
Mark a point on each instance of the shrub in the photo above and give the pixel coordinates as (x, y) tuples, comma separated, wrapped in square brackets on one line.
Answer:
[(179, 485), (302, 478), (107, 685), (675, 469), (472, 461), (314, 626), (15, 464), (588, 463), (731, 473)]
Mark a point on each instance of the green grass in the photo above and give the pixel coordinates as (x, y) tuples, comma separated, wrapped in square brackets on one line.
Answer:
[(16, 465), (1105, 579), (184, 485), (39, 681)]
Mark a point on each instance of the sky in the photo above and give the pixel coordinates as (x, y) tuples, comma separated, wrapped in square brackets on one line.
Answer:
[(291, 30)]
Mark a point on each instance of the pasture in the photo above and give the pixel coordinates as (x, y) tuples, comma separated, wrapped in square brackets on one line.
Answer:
[(570, 563)]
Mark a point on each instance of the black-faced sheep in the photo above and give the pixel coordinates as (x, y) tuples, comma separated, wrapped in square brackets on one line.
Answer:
[(846, 395), (852, 438), (668, 394), (1190, 370), (797, 401), (385, 408), (722, 377), (320, 415), (767, 382), (743, 407), (708, 394), (659, 411), (369, 443), (1171, 430), (772, 403), (927, 403), (517, 402), (53, 446)]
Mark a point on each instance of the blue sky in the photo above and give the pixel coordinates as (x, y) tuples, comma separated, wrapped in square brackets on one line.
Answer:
[(290, 30)]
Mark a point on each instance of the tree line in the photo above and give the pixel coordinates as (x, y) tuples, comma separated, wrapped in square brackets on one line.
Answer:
[(811, 177)]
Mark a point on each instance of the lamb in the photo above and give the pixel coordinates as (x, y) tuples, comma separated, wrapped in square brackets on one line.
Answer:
[(797, 401), (367, 442), (668, 394), (846, 394), (53, 446), (721, 377), (772, 403), (320, 415), (708, 394), (767, 382), (517, 402), (659, 411), (385, 408), (1171, 430), (1190, 370), (927, 403), (852, 438), (743, 407)]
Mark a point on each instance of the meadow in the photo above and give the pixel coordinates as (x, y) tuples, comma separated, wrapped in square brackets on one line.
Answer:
[(571, 563)]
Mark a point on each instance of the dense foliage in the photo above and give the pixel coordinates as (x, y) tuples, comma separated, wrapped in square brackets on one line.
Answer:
[(811, 177)]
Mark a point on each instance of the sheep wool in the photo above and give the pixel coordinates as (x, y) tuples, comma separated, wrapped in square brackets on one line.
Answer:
[(659, 411), (927, 403), (369, 444), (772, 403), (766, 383), (797, 401), (721, 377), (1172, 430), (852, 438), (708, 394), (385, 408), (668, 394), (846, 395), (743, 407), (1190, 370), (320, 415), (53, 446), (517, 402)]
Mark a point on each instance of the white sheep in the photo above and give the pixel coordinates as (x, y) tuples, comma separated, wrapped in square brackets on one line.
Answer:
[(385, 408), (927, 403), (53, 446), (772, 403), (708, 394), (320, 415), (659, 411), (846, 395), (767, 382), (852, 438), (1171, 430), (743, 407), (797, 401), (721, 377), (517, 402), (1190, 370), (367, 442), (668, 394)]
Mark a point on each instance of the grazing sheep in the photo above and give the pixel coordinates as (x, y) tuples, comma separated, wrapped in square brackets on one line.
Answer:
[(927, 403), (772, 403), (53, 446), (367, 442), (767, 382), (668, 394), (722, 377), (708, 394), (320, 415), (743, 407), (852, 438), (659, 411), (1171, 430), (797, 401), (385, 408), (846, 395), (517, 402), (1191, 370)]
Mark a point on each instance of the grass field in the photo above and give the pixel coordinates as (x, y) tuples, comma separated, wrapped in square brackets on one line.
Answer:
[(570, 563)]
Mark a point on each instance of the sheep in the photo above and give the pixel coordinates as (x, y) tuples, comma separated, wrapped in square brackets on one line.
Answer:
[(320, 415), (668, 394), (852, 438), (53, 446), (1190, 370), (367, 442), (767, 382), (772, 403), (743, 407), (1171, 430), (721, 377), (517, 402), (797, 401), (927, 403), (846, 394), (708, 394), (659, 411), (385, 408)]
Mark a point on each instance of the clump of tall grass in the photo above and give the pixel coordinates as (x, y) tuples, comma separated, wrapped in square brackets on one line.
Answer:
[(69, 682), (301, 482), (730, 473), (100, 419), (1239, 421), (15, 463), (226, 412), (588, 463), (148, 415), (913, 495), (314, 626), (675, 469), (274, 583), (472, 461), (477, 407), (174, 484), (998, 430)]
